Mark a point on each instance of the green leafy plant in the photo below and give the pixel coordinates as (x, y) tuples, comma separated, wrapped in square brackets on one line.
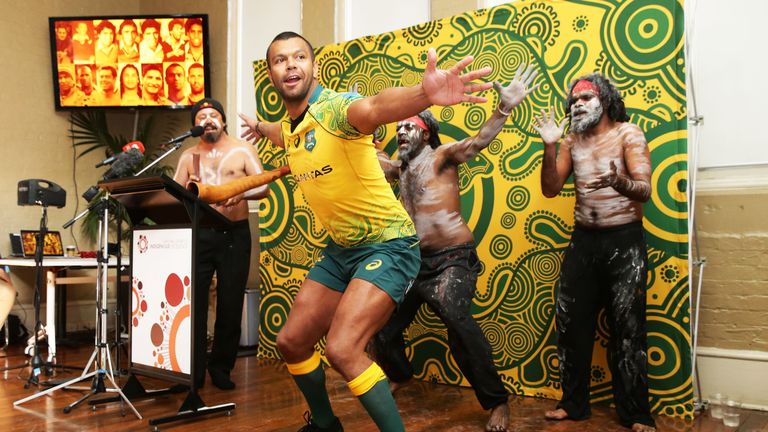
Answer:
[(89, 131)]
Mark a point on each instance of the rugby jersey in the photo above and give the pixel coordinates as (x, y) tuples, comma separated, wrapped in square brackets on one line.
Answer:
[(338, 171)]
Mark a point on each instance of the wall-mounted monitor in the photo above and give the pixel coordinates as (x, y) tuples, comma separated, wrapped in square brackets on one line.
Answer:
[(131, 61)]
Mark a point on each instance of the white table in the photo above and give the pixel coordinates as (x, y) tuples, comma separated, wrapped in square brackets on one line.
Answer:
[(52, 265)]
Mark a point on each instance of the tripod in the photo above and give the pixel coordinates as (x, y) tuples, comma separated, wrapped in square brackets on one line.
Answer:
[(100, 359), (36, 362)]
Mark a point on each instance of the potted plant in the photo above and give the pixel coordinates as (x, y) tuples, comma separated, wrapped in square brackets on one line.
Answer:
[(89, 131)]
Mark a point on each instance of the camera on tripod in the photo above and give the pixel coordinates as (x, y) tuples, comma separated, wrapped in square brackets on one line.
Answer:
[(41, 192)]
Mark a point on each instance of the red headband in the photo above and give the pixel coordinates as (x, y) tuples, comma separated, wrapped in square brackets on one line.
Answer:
[(419, 122), (585, 85)]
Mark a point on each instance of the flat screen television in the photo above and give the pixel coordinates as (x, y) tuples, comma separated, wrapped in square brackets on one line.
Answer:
[(131, 61)]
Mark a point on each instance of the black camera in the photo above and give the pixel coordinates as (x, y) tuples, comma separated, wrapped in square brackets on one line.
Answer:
[(41, 192)]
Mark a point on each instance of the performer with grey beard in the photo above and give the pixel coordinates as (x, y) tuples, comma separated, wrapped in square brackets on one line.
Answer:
[(429, 187), (606, 262)]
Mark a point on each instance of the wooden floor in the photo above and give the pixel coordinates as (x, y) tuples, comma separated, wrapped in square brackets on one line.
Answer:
[(268, 400)]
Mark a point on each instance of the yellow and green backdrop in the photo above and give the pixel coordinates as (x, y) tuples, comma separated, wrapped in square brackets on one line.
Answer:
[(521, 236)]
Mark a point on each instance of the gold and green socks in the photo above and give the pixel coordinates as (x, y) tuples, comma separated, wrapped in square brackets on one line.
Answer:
[(372, 389), (310, 377)]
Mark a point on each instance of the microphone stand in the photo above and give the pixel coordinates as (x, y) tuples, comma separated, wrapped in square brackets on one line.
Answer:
[(176, 145), (83, 213)]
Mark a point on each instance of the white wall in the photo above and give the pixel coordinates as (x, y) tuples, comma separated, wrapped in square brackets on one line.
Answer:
[(357, 18), (728, 57), (253, 25)]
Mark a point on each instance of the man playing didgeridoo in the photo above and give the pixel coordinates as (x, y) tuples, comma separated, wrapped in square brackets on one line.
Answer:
[(606, 262), (218, 159), (373, 252)]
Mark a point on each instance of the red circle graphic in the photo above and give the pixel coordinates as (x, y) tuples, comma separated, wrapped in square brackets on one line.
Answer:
[(156, 334), (174, 289)]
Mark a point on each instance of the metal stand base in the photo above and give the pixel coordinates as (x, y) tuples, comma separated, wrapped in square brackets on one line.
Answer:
[(134, 391), (192, 413), (192, 407), (97, 386)]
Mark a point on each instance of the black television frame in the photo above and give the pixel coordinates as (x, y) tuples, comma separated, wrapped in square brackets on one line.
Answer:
[(55, 65)]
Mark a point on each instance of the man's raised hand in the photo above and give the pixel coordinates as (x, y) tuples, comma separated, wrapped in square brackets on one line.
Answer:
[(548, 128), (520, 87), (250, 132), (449, 87)]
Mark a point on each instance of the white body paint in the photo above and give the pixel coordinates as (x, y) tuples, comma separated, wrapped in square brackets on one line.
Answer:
[(428, 194), (223, 160), (591, 157)]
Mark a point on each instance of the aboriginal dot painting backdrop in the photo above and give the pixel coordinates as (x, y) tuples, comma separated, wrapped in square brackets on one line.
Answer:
[(520, 235)]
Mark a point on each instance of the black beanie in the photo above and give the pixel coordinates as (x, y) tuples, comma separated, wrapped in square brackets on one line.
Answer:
[(208, 103)]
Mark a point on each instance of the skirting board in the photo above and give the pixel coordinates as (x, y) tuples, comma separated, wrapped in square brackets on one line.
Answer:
[(742, 375), (744, 179)]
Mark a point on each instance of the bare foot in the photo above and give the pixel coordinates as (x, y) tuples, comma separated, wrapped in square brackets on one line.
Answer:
[(558, 414), (499, 420), (639, 427), (395, 386)]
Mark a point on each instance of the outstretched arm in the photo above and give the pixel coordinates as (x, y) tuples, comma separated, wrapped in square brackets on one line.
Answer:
[(509, 97), (438, 87), (256, 129), (555, 167)]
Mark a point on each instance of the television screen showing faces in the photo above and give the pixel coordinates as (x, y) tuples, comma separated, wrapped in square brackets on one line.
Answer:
[(129, 61)]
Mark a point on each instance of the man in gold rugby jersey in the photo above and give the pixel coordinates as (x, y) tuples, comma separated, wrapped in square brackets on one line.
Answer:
[(373, 253)]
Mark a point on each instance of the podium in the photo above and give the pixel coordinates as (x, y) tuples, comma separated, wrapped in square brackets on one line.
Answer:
[(163, 255)]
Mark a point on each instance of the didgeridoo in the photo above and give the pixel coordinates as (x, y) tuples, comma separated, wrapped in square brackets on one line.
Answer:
[(218, 193)]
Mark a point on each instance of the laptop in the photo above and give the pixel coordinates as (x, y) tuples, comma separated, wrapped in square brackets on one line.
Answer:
[(16, 248), (51, 243)]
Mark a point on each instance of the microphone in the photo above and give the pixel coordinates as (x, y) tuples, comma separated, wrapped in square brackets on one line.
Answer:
[(131, 145), (124, 164), (194, 132)]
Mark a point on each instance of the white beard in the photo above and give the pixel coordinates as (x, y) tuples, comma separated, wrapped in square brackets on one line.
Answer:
[(589, 120)]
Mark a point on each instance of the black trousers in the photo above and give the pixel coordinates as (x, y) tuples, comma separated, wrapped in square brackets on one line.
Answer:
[(446, 282), (228, 254), (605, 268)]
